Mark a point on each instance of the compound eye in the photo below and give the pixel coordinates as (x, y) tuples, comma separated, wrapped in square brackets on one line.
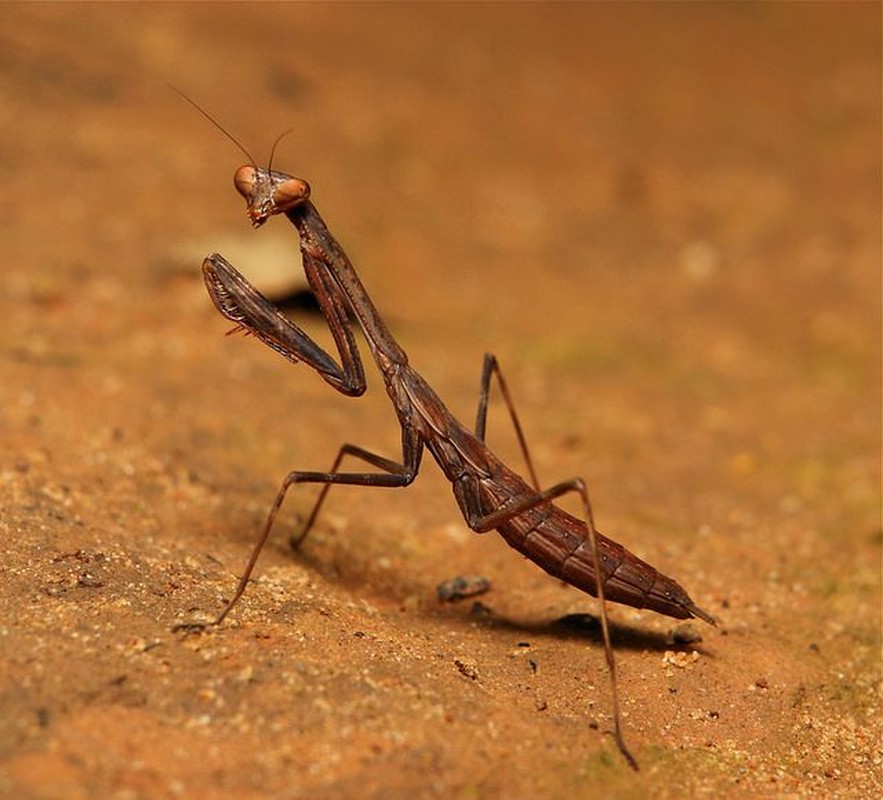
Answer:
[(244, 179), (290, 193)]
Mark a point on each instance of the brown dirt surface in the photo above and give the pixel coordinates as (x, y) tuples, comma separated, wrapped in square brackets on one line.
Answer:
[(665, 220)]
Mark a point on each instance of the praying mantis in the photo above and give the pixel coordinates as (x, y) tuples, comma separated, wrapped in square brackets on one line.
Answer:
[(490, 495)]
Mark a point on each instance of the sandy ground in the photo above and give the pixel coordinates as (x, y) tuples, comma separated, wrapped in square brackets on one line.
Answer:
[(664, 220)]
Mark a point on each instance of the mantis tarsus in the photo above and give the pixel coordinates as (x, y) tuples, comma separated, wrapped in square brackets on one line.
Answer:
[(490, 495)]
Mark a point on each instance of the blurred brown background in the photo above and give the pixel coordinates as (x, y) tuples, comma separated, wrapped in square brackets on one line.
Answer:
[(663, 219)]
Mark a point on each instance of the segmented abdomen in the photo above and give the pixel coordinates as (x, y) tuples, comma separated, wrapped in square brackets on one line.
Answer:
[(558, 542)]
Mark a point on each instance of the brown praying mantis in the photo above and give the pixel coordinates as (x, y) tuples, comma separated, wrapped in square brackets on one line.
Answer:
[(490, 495)]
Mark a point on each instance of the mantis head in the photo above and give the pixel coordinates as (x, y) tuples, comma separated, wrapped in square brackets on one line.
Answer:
[(268, 192)]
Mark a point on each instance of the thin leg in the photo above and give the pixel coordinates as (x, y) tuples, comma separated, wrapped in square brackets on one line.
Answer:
[(499, 517), (492, 367), (395, 475), (393, 468)]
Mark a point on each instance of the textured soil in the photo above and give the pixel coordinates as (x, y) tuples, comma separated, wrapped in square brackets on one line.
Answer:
[(665, 221)]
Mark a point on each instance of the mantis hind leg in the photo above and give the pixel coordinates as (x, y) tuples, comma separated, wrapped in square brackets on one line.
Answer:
[(491, 368), (502, 515), (487, 522)]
